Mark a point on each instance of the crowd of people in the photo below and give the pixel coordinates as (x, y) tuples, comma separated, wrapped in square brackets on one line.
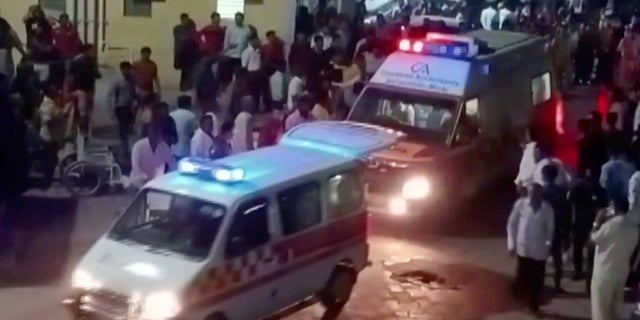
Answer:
[(597, 210), (228, 75)]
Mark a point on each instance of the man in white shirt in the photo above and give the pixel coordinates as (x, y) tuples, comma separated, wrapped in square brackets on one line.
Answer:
[(615, 237), (202, 140), (151, 157), (235, 41), (489, 15), (251, 59), (186, 126), (529, 233), (251, 62), (277, 86), (296, 88), (535, 157)]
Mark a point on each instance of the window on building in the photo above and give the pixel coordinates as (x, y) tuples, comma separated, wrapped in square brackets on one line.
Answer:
[(541, 88), (228, 8), (300, 208), (345, 194), (250, 228), (137, 8), (58, 6)]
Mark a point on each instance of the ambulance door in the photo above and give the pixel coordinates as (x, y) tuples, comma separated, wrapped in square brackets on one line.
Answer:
[(249, 262), (467, 155), (300, 215)]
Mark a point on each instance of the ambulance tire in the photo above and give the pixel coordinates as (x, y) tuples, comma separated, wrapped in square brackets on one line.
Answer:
[(216, 316), (338, 290)]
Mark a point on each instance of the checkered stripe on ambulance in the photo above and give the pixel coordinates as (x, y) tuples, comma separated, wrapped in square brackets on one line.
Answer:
[(275, 260)]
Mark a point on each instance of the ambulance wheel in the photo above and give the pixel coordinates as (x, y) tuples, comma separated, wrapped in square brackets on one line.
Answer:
[(338, 290)]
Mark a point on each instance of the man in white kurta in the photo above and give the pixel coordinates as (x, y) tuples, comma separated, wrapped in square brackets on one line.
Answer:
[(615, 240), (150, 158), (529, 234)]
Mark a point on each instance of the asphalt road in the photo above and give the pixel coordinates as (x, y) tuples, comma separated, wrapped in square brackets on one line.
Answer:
[(464, 251)]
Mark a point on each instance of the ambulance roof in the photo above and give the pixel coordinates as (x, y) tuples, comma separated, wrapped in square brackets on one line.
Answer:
[(263, 168), (499, 40)]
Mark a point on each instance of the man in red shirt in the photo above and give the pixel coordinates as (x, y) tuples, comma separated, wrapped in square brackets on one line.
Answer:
[(66, 38), (273, 50), (272, 129), (212, 36), (145, 74), (300, 55)]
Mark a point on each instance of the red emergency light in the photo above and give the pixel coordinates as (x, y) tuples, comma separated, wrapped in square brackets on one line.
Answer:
[(450, 46)]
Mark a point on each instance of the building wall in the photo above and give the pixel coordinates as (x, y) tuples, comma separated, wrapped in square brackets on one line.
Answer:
[(124, 36), (13, 11)]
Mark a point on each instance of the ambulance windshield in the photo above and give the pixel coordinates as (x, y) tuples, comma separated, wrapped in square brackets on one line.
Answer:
[(170, 223), (421, 117)]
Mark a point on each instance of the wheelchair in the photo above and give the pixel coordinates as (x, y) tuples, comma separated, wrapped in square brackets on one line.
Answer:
[(91, 167)]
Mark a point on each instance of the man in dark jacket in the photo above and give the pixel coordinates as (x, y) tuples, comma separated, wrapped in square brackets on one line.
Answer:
[(557, 198)]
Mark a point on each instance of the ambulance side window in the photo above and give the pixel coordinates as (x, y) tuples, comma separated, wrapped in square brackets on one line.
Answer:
[(249, 229), (300, 207), (345, 194)]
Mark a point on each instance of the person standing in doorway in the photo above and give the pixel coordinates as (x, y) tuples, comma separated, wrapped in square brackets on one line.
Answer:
[(529, 234)]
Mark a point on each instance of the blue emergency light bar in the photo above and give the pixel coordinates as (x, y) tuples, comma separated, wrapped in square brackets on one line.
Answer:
[(443, 45), (209, 170)]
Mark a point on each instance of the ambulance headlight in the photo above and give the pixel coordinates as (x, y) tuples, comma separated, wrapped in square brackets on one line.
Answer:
[(83, 280), (398, 206), (160, 306), (416, 188)]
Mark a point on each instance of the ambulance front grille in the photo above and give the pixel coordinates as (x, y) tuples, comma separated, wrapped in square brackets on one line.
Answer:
[(107, 304)]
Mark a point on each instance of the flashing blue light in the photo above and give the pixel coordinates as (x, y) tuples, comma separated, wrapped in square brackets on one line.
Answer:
[(228, 174), (207, 169)]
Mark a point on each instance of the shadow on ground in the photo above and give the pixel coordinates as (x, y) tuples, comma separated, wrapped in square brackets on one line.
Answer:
[(43, 243)]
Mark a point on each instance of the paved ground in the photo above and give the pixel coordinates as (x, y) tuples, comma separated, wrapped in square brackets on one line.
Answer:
[(464, 250)]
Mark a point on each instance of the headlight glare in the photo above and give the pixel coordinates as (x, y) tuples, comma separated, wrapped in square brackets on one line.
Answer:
[(416, 188), (160, 306)]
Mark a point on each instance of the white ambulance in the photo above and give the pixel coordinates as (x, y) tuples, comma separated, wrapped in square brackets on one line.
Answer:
[(239, 238), (464, 103)]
